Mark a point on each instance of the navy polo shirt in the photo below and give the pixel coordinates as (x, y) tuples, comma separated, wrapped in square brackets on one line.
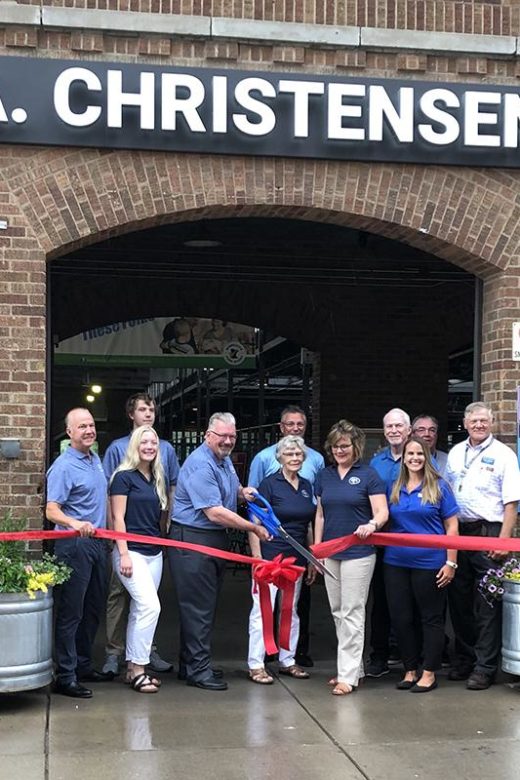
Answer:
[(143, 508), (77, 483), (346, 504), (295, 510), (204, 481), (410, 516)]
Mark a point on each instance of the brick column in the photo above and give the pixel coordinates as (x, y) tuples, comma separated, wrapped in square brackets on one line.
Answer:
[(22, 364), (500, 374)]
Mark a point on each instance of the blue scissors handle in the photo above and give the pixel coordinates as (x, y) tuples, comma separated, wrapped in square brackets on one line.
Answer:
[(264, 514)]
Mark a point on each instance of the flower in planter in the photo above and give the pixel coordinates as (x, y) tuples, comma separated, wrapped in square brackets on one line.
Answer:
[(491, 586), (18, 573)]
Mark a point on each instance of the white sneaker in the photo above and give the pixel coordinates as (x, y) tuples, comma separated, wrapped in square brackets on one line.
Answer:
[(157, 664), (111, 665)]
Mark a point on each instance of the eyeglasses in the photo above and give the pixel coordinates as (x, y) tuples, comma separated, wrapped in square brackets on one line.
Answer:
[(231, 437), (425, 430), (341, 447)]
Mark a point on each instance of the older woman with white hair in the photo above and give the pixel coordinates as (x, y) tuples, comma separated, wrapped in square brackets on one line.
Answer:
[(291, 497)]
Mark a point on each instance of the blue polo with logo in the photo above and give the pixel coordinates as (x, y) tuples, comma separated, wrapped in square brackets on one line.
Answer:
[(204, 481), (76, 481), (116, 451), (411, 516), (294, 508), (346, 504)]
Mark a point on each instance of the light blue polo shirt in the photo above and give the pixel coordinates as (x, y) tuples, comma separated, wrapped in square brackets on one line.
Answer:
[(116, 451), (76, 481), (411, 516), (204, 482), (264, 464)]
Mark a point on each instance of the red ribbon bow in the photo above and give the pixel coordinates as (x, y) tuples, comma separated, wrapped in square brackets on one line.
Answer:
[(283, 573)]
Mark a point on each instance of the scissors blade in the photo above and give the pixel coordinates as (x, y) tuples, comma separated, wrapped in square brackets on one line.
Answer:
[(306, 554)]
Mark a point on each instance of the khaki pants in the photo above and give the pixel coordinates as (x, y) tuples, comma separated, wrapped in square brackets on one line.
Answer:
[(347, 598), (117, 616)]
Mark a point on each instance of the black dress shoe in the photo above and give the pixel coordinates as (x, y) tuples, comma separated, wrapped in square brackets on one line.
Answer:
[(423, 688), (303, 659), (216, 672), (95, 677), (72, 689), (207, 683), (479, 681)]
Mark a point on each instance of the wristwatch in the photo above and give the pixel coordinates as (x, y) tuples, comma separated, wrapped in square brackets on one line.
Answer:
[(452, 564)]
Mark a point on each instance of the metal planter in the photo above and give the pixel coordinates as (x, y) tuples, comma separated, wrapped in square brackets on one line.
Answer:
[(25, 641), (511, 627)]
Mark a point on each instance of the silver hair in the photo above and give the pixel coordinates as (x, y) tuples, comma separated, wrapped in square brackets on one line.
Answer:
[(290, 441), (223, 417), (396, 410), (473, 407)]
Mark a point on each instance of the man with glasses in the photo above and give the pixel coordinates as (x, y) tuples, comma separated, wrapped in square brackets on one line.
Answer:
[(485, 478), (205, 505), (293, 422), (387, 462), (426, 428)]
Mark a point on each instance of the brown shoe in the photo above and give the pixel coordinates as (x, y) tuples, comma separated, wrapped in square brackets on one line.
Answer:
[(294, 671)]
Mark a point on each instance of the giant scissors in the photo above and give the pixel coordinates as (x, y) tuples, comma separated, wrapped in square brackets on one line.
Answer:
[(268, 519)]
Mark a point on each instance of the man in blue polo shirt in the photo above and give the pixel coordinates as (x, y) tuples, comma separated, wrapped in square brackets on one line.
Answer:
[(205, 505), (77, 499), (293, 422), (140, 409), (387, 462)]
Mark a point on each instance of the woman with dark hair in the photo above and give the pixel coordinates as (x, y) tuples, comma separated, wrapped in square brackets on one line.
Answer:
[(351, 499), (137, 497), (420, 502)]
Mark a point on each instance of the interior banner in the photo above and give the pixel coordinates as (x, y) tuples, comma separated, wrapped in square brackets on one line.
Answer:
[(188, 342)]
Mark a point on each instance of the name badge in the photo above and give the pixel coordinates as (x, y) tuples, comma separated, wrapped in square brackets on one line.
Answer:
[(488, 460)]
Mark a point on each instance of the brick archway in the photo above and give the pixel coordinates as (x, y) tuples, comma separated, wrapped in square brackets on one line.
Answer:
[(57, 200), (468, 217)]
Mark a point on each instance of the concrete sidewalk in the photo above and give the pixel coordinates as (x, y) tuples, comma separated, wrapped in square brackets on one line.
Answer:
[(292, 729)]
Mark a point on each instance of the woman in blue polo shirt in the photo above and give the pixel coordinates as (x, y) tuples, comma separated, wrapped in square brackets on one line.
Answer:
[(137, 497), (291, 497), (420, 502), (351, 499)]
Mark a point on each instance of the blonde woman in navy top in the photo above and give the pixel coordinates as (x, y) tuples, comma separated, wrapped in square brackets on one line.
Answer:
[(420, 502), (137, 497), (351, 499)]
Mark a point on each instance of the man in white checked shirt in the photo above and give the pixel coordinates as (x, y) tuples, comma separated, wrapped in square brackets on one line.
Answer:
[(485, 478)]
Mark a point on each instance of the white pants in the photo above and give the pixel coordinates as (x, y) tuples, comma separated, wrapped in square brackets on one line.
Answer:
[(256, 652), (347, 598), (144, 603)]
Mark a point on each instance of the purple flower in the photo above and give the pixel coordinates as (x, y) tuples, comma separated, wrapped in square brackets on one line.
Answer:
[(500, 591), (492, 588), (499, 573)]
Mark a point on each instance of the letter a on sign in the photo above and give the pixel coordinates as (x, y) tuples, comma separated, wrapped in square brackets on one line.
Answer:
[(3, 115)]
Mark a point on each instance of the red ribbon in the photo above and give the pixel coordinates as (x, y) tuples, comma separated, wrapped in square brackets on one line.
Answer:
[(283, 573), (434, 541)]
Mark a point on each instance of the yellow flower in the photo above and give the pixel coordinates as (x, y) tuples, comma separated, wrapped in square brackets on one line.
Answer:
[(39, 582)]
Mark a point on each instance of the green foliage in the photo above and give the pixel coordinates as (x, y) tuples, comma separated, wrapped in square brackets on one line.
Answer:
[(18, 573)]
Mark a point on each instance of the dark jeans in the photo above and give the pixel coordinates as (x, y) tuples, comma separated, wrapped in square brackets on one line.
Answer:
[(81, 601), (198, 580), (477, 626), (379, 616), (412, 594)]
